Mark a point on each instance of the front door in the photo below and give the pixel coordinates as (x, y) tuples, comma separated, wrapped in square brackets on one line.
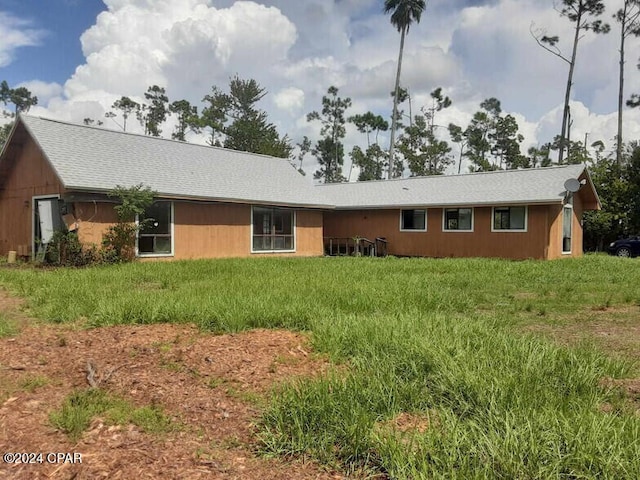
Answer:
[(46, 221)]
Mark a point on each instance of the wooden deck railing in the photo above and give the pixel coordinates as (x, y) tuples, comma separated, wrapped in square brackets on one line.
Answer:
[(355, 246)]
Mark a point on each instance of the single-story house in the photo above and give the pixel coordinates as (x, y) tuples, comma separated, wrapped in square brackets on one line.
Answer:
[(214, 202), (526, 213)]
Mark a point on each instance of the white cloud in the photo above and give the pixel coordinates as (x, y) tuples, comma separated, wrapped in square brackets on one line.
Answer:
[(185, 46), (289, 99), (16, 33), (43, 90)]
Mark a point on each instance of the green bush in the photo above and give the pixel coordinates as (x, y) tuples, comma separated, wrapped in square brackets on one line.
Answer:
[(119, 243), (66, 250)]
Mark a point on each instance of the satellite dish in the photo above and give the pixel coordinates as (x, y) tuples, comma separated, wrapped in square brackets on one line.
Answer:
[(572, 185)]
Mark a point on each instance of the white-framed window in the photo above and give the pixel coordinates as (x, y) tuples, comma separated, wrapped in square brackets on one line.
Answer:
[(509, 219), (155, 238), (567, 228), (413, 220), (273, 230), (457, 220)]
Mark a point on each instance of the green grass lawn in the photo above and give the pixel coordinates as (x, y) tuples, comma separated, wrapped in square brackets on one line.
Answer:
[(440, 340)]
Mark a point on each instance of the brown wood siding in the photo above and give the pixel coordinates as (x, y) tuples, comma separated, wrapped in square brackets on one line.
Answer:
[(435, 242), (309, 233), (93, 220), (224, 230), (29, 175), (211, 230), (555, 232), (206, 230)]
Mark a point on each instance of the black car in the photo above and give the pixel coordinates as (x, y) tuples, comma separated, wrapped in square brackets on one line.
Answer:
[(627, 247)]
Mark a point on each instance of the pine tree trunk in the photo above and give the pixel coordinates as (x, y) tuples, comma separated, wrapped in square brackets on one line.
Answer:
[(621, 89), (567, 96), (395, 104)]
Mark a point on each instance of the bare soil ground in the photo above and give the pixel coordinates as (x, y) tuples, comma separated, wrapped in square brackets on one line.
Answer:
[(212, 386), (614, 330)]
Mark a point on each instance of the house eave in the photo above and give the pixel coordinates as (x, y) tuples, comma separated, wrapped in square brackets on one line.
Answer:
[(195, 198)]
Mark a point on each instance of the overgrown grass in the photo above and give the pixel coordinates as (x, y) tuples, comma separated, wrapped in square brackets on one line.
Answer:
[(507, 406), (82, 406), (427, 337), (8, 327), (229, 295)]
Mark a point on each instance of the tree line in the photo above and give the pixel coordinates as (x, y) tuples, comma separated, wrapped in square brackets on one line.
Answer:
[(229, 119)]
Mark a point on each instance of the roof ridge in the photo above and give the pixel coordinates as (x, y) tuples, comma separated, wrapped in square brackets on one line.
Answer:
[(469, 174), (147, 137)]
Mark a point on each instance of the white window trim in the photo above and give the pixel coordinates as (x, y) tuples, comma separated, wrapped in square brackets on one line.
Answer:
[(511, 230), (33, 219), (444, 217), (570, 207), (415, 230), (295, 231), (173, 237)]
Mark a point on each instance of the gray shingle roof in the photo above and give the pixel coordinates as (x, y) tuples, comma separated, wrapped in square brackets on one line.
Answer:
[(539, 185), (96, 159)]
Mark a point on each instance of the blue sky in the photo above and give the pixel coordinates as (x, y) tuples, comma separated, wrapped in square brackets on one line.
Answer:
[(78, 62), (58, 53)]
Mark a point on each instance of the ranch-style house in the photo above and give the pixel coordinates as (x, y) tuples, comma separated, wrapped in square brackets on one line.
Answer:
[(213, 202)]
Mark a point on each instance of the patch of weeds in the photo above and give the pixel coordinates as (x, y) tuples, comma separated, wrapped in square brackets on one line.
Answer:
[(62, 341), (81, 407), (152, 420), (232, 441), (542, 311), (7, 388), (604, 306), (245, 396), (8, 327), (282, 360), (171, 365), (215, 382), (31, 383), (78, 410), (286, 360), (163, 347)]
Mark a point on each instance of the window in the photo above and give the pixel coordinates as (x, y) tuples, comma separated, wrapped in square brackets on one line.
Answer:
[(413, 220), (155, 237), (510, 219), (567, 228), (458, 219), (273, 229)]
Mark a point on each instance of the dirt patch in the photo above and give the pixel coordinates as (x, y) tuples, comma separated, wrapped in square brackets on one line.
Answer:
[(630, 387), (411, 422), (211, 386), (615, 330)]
